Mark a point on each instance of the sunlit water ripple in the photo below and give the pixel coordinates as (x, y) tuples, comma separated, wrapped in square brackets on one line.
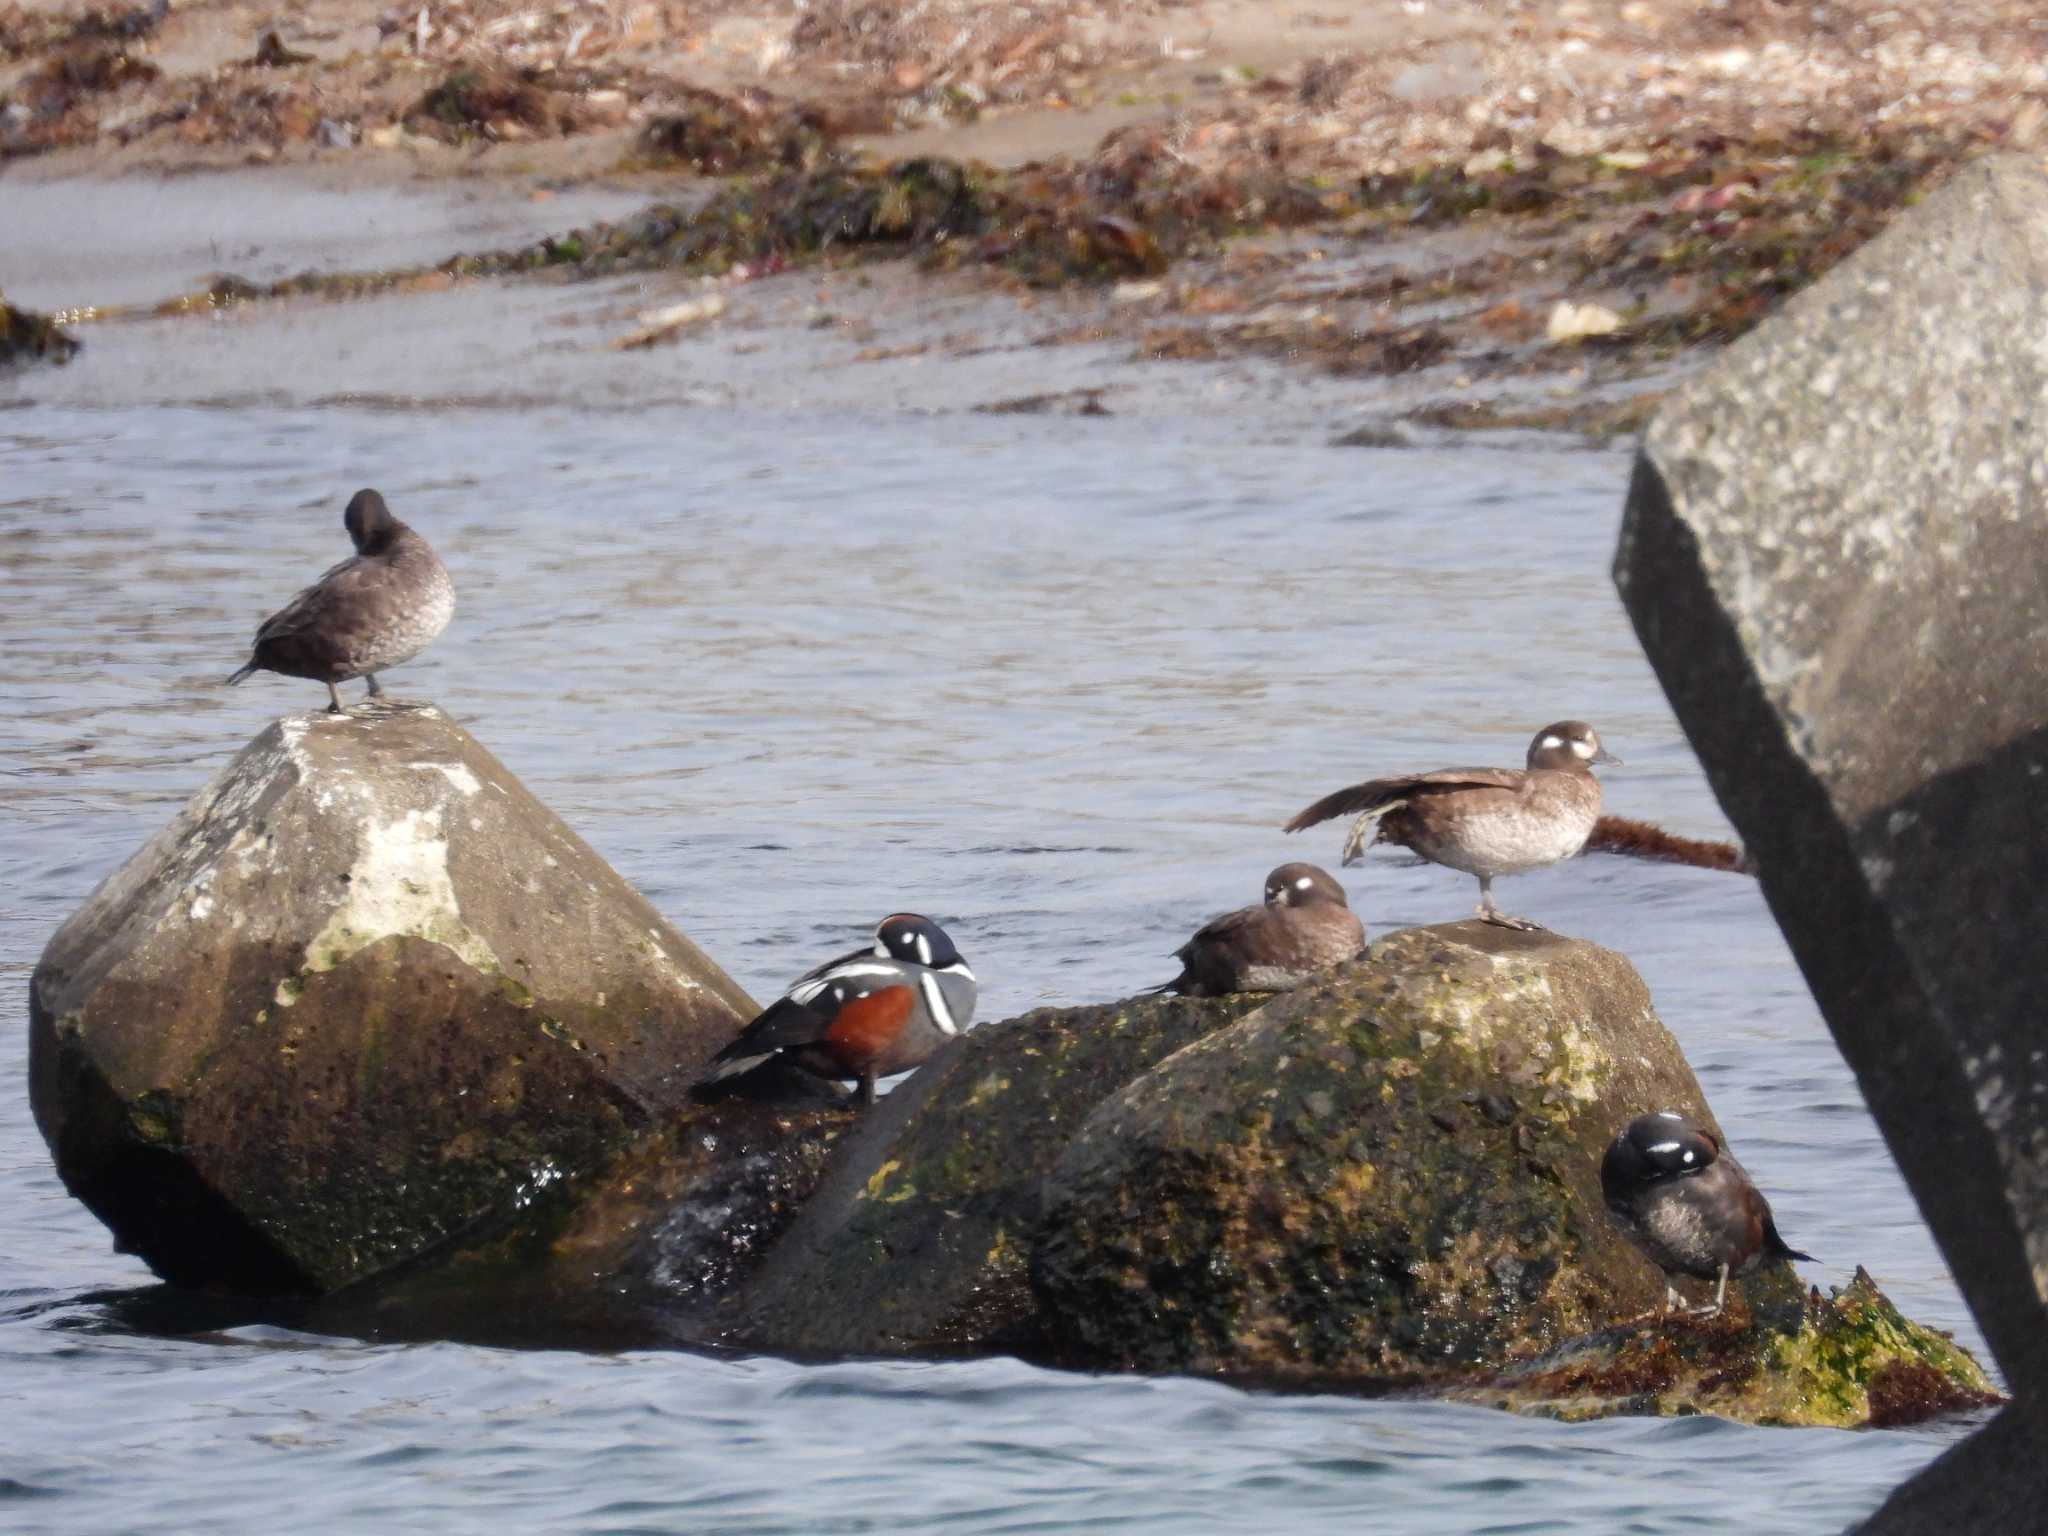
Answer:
[(1055, 682)]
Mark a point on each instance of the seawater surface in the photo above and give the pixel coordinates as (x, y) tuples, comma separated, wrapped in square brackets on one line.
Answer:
[(1055, 682)]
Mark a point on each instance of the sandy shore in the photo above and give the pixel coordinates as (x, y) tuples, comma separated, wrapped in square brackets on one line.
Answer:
[(1509, 214)]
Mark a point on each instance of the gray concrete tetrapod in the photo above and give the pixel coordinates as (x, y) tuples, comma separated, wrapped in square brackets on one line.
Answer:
[(1833, 552)]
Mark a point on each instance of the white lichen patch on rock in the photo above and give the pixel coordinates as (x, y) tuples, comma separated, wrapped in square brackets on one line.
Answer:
[(454, 773), (200, 890), (668, 963), (399, 885)]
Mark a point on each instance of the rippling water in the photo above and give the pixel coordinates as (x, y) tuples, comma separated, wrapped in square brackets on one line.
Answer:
[(1055, 682)]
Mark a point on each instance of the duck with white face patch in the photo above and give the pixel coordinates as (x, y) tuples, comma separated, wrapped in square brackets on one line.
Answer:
[(869, 1014), (1304, 925), (1485, 821), (1686, 1203)]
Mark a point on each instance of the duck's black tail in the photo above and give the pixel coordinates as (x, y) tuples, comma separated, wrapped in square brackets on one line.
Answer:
[(1775, 1247)]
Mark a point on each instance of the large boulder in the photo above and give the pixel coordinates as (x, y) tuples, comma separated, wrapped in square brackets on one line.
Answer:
[(363, 993), (808, 1229), (1833, 553), (921, 1235), (1393, 1166), (1389, 1175)]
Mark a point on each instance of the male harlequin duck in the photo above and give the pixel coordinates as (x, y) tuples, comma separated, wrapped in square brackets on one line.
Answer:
[(1688, 1204), (1305, 924), (1485, 821), (872, 1013), (379, 607)]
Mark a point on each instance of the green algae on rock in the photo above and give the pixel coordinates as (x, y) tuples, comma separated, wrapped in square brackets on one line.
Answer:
[(1851, 1360), (1387, 1176), (361, 995)]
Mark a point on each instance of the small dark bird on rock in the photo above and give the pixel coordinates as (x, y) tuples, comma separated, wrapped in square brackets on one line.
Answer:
[(1485, 821), (1688, 1205), (872, 1013), (381, 606), (1304, 925)]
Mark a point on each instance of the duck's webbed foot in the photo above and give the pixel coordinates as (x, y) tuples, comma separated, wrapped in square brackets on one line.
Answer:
[(1487, 912)]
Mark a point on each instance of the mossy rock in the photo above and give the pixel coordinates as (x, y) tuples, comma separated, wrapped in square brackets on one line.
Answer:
[(1851, 1360), (1389, 1176), (918, 1241), (1387, 1179)]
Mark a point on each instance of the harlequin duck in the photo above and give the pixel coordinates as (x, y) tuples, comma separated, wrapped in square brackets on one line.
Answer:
[(1305, 924), (1688, 1205), (872, 1013), (1485, 821), (379, 607)]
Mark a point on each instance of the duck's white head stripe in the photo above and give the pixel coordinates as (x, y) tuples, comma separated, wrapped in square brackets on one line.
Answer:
[(1551, 742), (935, 1002), (1665, 1146)]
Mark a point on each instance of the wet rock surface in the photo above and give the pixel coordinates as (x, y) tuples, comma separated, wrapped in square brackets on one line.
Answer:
[(1389, 1175), (1832, 552), (365, 1022), (1384, 1181), (922, 1234), (1851, 1360), (362, 994), (652, 1249)]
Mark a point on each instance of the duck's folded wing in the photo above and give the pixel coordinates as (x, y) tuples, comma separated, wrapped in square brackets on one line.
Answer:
[(783, 1025), (318, 605), (803, 1014), (1223, 931)]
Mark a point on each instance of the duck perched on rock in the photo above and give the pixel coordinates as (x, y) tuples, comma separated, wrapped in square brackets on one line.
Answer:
[(871, 1013), (1485, 821), (382, 606), (1688, 1205), (1304, 925)]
